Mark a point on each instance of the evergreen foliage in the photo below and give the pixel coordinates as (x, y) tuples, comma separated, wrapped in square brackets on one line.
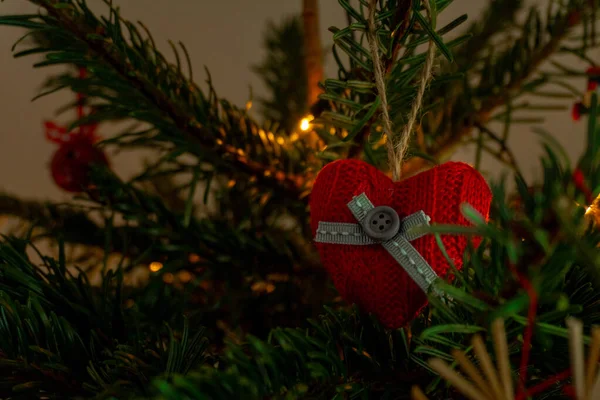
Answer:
[(225, 204), (283, 73)]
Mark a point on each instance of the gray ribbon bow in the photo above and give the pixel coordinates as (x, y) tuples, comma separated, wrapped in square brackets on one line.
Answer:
[(399, 246)]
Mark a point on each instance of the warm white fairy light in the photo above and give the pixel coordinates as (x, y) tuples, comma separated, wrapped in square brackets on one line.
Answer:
[(305, 123), (155, 266)]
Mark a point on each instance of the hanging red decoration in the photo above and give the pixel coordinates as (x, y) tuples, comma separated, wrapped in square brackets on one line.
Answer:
[(593, 74), (378, 264), (578, 110), (583, 107), (580, 184), (72, 161)]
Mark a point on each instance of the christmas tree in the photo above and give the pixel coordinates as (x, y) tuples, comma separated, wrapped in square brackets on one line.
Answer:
[(326, 248)]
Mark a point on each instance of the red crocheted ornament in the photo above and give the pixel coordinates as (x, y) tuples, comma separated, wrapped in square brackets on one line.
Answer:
[(71, 164), (368, 275)]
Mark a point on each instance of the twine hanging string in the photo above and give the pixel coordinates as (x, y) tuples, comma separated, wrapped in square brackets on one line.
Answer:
[(397, 147), (380, 82)]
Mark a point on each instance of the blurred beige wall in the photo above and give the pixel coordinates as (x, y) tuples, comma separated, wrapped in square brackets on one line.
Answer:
[(223, 35)]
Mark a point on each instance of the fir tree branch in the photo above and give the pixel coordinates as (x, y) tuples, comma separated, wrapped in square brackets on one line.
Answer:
[(496, 18), (504, 149), (352, 94), (196, 133), (52, 319), (358, 142), (350, 353), (53, 218), (445, 147), (73, 226), (401, 20), (60, 337)]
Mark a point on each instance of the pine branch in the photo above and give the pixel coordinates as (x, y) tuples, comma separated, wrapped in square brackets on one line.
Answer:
[(197, 134), (73, 226), (360, 72), (61, 337), (479, 117), (400, 23), (401, 20), (346, 353), (342, 351), (504, 149), (498, 16)]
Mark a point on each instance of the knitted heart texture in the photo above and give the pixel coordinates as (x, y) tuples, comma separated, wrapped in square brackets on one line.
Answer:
[(370, 276)]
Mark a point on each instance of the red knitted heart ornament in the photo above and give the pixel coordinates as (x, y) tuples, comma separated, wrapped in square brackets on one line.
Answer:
[(368, 275)]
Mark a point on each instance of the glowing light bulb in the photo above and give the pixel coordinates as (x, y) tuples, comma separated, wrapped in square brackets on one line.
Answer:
[(155, 266), (305, 123)]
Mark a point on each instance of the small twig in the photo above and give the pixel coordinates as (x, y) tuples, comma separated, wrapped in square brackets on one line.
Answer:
[(75, 226), (420, 137), (512, 160), (481, 116), (402, 14), (356, 149)]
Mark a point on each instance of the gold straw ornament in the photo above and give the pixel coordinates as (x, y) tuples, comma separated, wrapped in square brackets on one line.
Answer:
[(497, 384), (585, 373), (489, 384)]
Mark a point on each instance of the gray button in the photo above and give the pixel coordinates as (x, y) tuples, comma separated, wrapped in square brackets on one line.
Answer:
[(382, 223)]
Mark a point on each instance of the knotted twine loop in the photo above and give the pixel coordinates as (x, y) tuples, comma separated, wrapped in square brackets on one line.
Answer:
[(397, 148)]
